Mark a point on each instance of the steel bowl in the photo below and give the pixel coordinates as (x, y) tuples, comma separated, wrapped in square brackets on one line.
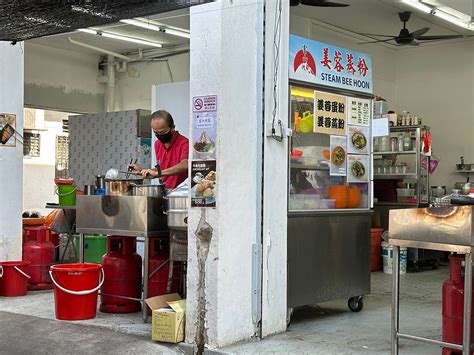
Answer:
[(118, 187), (149, 190)]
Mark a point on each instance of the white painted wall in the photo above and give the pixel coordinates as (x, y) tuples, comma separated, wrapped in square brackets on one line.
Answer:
[(62, 79), (224, 64), (133, 87), (436, 82), (11, 159)]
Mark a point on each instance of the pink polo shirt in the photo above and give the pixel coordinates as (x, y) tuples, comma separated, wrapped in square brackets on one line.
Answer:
[(171, 156)]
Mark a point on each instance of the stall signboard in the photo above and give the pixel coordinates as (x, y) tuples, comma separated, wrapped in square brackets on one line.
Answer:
[(359, 111), (7, 130), (203, 185), (338, 152), (324, 64), (329, 113)]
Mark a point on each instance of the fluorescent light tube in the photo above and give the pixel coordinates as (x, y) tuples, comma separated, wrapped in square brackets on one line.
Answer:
[(454, 20), (87, 30), (121, 38), (177, 33), (158, 28), (130, 39), (418, 5)]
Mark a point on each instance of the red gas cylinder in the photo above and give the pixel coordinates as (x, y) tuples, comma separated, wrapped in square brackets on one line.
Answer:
[(40, 252), (123, 276), (453, 305), (158, 266)]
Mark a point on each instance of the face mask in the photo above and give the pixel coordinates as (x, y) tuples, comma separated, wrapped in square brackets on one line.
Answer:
[(164, 138)]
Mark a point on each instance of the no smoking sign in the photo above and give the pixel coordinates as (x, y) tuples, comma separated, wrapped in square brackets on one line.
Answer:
[(205, 103)]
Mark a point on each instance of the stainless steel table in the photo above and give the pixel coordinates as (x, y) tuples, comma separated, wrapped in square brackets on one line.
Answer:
[(450, 229), (130, 216)]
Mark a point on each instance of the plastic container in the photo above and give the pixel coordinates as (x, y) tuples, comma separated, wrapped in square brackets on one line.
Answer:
[(405, 195), (95, 247), (327, 203), (14, 278), (375, 249), (297, 201), (76, 288), (387, 257), (101, 192), (67, 195)]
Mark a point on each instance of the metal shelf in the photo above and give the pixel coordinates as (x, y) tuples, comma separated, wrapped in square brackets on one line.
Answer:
[(406, 128), (395, 176), (396, 152), (395, 204), (465, 171), (309, 167)]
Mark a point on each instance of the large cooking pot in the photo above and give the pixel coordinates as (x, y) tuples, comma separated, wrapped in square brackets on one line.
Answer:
[(119, 187), (149, 190), (178, 203)]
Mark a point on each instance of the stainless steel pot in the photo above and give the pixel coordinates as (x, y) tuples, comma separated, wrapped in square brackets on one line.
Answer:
[(177, 220), (149, 190), (438, 191), (118, 187), (178, 204)]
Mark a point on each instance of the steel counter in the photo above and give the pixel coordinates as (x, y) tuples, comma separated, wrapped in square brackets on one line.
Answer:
[(328, 256), (449, 228), (132, 216)]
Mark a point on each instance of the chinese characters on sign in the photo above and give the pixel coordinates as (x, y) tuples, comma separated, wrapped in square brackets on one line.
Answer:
[(329, 113), (360, 110), (320, 63), (204, 138)]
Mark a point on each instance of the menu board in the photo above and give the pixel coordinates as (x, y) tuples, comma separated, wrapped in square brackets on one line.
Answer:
[(329, 113), (338, 147), (359, 111), (358, 141), (203, 183), (358, 168)]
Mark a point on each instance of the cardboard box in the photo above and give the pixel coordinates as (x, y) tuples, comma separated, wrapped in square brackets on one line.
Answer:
[(168, 316)]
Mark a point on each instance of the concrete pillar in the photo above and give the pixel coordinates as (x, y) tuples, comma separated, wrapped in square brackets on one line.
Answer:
[(237, 251), (11, 158), (227, 61), (275, 175)]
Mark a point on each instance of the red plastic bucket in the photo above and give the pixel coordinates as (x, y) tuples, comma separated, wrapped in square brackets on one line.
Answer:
[(14, 278), (75, 290)]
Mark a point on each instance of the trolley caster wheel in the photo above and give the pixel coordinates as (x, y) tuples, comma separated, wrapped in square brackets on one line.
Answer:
[(356, 303), (289, 313)]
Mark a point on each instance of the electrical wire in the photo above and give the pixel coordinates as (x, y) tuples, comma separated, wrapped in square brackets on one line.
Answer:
[(276, 47)]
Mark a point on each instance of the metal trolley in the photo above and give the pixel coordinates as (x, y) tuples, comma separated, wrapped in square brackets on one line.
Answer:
[(447, 228)]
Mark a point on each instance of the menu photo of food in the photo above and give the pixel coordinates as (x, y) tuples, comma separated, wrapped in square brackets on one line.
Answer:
[(338, 155), (358, 140), (204, 135), (358, 168), (203, 185), (7, 130)]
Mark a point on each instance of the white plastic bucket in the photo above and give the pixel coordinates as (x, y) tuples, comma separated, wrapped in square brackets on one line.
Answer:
[(387, 256)]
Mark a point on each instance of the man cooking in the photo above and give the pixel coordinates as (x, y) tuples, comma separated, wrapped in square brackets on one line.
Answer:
[(171, 149)]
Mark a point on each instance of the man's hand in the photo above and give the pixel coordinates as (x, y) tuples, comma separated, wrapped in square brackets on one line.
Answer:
[(135, 167), (149, 173)]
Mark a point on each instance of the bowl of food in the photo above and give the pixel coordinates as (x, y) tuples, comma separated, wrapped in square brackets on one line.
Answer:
[(338, 156), (358, 169), (204, 146), (358, 140)]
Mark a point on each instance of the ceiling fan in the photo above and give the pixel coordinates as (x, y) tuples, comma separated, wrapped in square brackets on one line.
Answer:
[(319, 3), (405, 37)]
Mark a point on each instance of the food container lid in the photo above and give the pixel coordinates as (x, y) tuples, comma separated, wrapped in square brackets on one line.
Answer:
[(181, 191)]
